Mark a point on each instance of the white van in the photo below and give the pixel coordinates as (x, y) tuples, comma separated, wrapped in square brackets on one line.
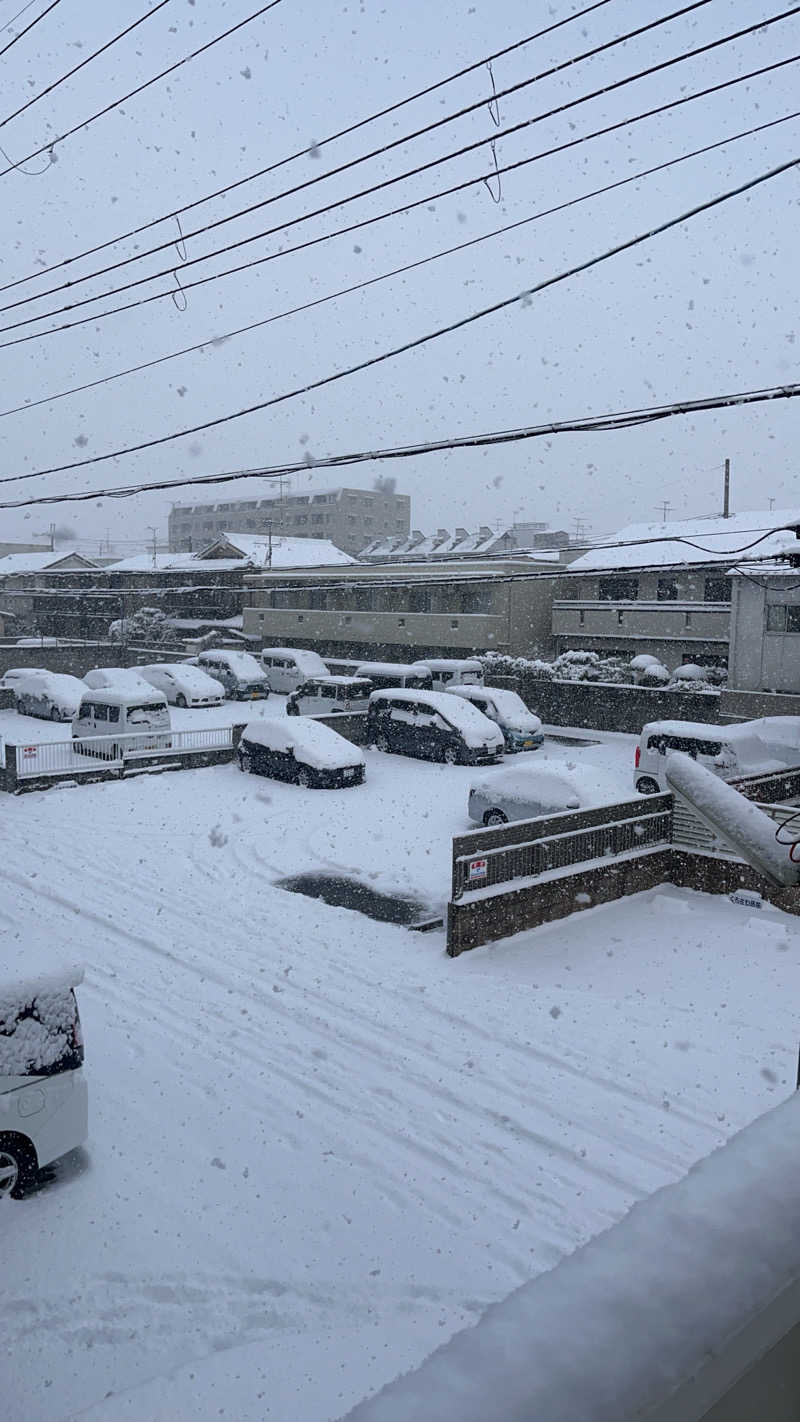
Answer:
[(771, 743), (287, 667), (327, 695), (452, 671), (43, 1097), (385, 675), (136, 720)]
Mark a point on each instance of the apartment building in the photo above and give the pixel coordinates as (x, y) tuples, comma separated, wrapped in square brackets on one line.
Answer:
[(399, 613), (348, 517), (664, 588)]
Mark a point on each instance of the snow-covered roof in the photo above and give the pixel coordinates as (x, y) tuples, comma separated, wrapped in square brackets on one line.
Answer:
[(285, 552), (144, 563), (38, 562), (313, 742), (720, 540)]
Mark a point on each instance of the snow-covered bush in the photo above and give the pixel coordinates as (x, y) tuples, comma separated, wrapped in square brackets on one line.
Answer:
[(147, 625), (653, 675)]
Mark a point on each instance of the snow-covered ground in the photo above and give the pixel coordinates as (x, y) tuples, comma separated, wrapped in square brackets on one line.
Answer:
[(318, 1146)]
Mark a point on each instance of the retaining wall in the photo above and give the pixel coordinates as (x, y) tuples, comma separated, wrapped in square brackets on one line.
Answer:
[(603, 706), (78, 658)]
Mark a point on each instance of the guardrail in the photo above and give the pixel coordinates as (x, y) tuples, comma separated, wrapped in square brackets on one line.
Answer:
[(80, 756), (530, 848)]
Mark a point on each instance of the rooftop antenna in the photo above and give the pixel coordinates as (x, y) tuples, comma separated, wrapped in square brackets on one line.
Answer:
[(665, 508), (726, 491)]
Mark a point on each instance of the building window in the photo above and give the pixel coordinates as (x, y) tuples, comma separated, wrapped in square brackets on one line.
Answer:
[(667, 590), (476, 600), (717, 590), (618, 589), (581, 619), (620, 618), (783, 617), (401, 622), (687, 619), (454, 623)]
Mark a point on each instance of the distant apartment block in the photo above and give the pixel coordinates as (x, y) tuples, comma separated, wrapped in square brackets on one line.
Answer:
[(348, 517)]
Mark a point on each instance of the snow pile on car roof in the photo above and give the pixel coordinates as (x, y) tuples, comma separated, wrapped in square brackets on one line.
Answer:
[(243, 663), (529, 782), (37, 1016), (313, 743)]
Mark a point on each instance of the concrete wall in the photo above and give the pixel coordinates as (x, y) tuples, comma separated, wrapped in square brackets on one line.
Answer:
[(604, 707), (80, 658), (763, 660)]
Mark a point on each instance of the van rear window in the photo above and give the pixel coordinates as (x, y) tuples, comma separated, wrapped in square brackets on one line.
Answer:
[(41, 1037), (685, 743)]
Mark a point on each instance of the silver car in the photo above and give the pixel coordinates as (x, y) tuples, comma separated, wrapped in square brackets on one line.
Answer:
[(520, 793)]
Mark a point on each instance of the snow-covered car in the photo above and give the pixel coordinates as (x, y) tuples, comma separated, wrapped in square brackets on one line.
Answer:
[(37, 642), (184, 685), (288, 667), (521, 793), (10, 679), (327, 695), (522, 731), (116, 679), (54, 696), (302, 751), (433, 725), (43, 1095), (239, 673)]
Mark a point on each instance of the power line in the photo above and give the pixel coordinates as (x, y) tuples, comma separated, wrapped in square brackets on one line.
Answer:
[(402, 210), (398, 271), (303, 152), (140, 88), (460, 324), (591, 424), (29, 27), (384, 183), (122, 34)]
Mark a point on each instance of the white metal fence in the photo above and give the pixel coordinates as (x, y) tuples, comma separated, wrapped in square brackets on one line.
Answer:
[(84, 753)]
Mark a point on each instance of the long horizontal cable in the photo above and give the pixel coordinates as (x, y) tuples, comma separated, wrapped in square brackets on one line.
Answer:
[(213, 341), (28, 28), (140, 88), (95, 55), (417, 342), (625, 419), (375, 187), (402, 210), (303, 152)]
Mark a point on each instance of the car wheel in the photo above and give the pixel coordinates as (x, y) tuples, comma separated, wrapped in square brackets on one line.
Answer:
[(303, 777), (648, 786), (291, 710), (381, 743), (181, 701), (495, 817), (245, 762), (450, 755), (54, 714), (18, 1166)]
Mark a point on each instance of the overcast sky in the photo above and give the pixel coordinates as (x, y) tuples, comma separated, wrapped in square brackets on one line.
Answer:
[(708, 308)]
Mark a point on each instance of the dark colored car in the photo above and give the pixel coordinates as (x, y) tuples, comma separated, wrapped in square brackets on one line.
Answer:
[(433, 726), (302, 751)]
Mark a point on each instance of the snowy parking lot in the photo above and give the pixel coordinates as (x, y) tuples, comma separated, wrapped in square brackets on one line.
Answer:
[(318, 1146)]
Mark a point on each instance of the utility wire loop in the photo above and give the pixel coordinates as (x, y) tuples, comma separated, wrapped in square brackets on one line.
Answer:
[(404, 208)]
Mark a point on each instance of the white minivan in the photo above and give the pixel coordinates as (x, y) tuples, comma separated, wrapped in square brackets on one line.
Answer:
[(43, 1097), (288, 667), (137, 721), (770, 743), (454, 671)]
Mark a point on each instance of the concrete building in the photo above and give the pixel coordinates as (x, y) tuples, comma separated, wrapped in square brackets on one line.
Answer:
[(486, 542), (347, 517), (400, 613), (192, 589), (765, 628), (651, 591)]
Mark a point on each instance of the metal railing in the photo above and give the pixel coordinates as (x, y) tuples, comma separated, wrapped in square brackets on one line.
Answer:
[(539, 854), (83, 753)]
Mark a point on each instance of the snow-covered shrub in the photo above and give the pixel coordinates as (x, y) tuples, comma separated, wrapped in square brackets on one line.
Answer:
[(653, 675)]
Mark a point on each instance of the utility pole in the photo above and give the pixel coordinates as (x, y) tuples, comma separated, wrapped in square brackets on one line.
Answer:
[(150, 529), (665, 508), (726, 491)]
